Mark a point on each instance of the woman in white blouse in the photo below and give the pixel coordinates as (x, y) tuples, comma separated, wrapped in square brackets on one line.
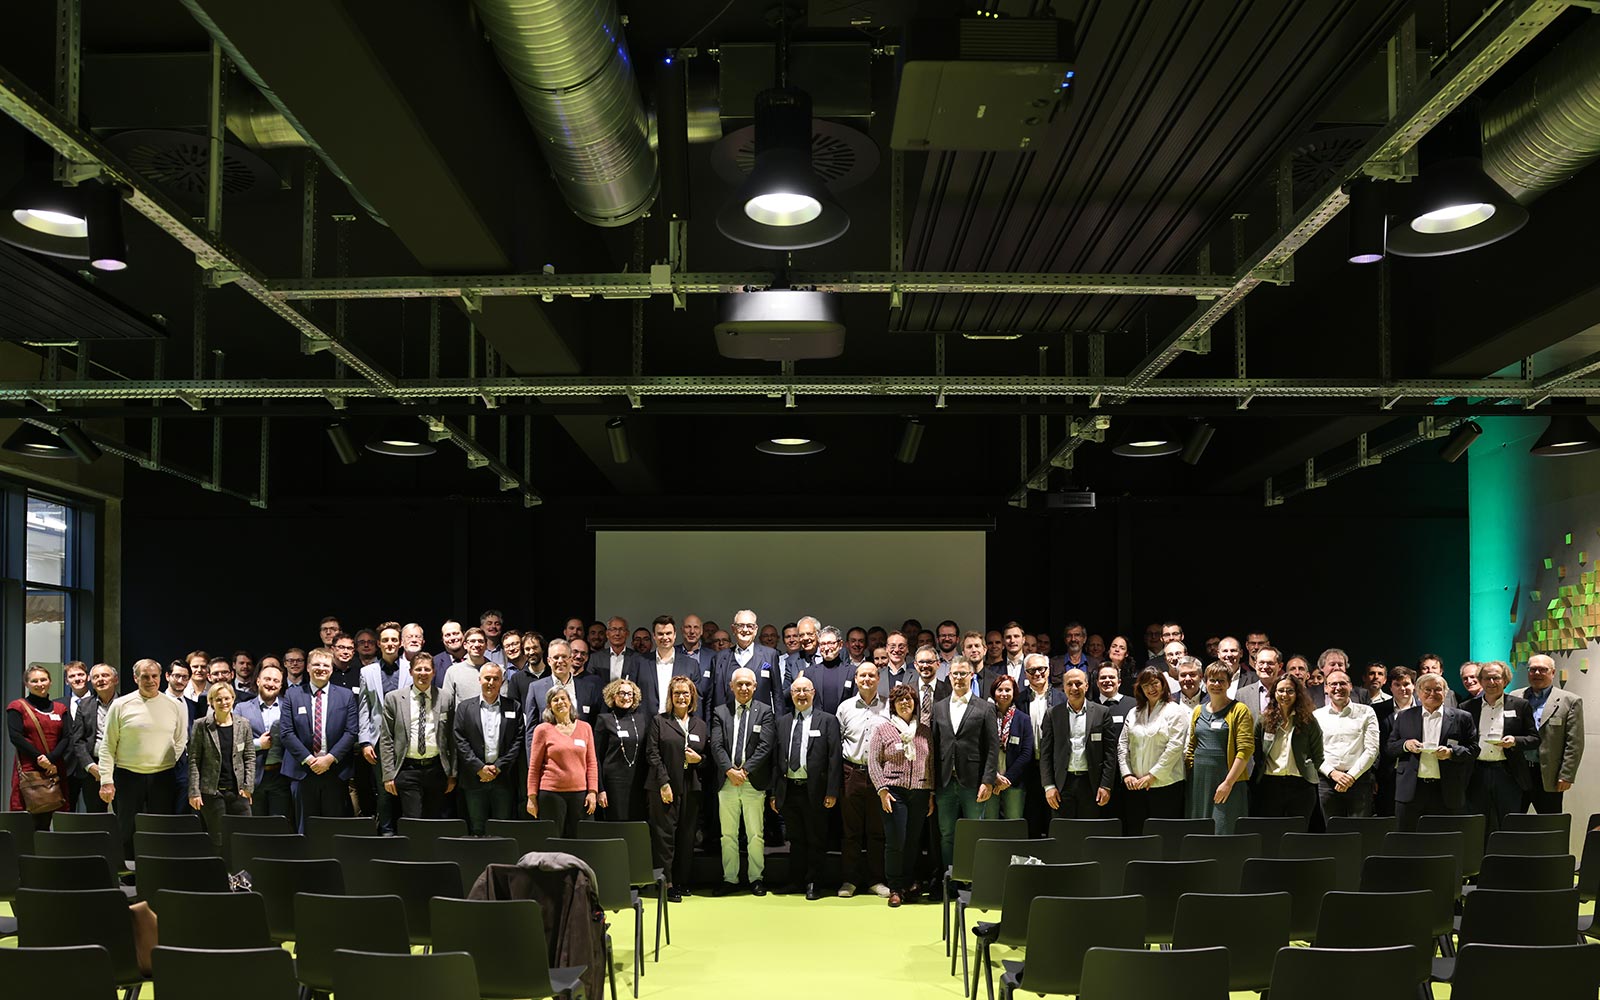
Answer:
[(1150, 754)]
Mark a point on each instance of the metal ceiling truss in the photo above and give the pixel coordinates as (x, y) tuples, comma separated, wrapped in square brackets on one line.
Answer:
[(1494, 40), (1427, 429), (224, 265)]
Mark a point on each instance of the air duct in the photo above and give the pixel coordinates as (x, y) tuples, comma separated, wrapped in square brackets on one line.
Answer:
[(569, 66), (1546, 126)]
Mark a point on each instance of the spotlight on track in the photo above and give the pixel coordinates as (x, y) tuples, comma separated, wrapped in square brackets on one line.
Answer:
[(910, 441), (1460, 440), (617, 431), (1369, 223), (108, 249), (75, 439), (1199, 439), (783, 204), (343, 445)]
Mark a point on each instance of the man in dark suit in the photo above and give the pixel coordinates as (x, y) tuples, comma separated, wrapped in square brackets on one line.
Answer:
[(695, 642), (742, 735), (86, 730), (657, 670), (1077, 758), (803, 656), (808, 772), (587, 692), (488, 738), (1435, 747), (746, 651), (319, 741), (1038, 697), (1506, 731), (965, 752)]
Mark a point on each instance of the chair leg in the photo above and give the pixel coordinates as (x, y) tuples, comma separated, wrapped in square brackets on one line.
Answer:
[(661, 911), (611, 968), (963, 952), (666, 911), (638, 941), (952, 941)]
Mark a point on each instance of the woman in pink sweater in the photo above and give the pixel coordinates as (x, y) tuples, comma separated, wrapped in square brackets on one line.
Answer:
[(562, 769)]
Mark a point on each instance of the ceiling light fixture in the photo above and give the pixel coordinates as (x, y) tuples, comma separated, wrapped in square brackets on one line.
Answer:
[(1144, 438), (1369, 222), (401, 437), (1570, 435), (783, 204), (910, 441), (41, 215), (1455, 207), (108, 249), (1200, 436), (28, 439), (343, 445), (617, 431), (789, 446), (1460, 440)]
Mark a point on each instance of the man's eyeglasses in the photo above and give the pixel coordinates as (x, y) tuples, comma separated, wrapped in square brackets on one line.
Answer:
[(927, 663)]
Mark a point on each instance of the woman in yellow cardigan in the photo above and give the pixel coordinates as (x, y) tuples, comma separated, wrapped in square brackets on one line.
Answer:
[(1222, 739)]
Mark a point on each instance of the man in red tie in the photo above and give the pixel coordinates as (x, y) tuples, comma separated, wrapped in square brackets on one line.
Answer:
[(320, 729)]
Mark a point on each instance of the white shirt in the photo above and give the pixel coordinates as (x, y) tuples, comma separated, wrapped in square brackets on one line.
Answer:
[(1280, 754), (742, 655), (857, 720), (1428, 763), (1078, 736), (663, 678), (1153, 742), (1491, 727), (797, 767), (958, 710), (1037, 708), (425, 707), (1014, 668), (269, 717), (1349, 738), (618, 661), (489, 716)]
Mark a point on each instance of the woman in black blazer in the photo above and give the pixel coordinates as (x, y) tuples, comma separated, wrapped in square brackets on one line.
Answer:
[(619, 737), (677, 752), (1288, 760)]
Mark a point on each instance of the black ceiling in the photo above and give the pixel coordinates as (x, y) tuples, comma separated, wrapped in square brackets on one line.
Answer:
[(1182, 115)]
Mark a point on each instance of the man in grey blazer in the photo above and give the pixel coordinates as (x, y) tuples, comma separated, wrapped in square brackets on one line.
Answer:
[(416, 744), (1559, 714), (86, 730), (965, 753), (742, 736), (389, 672), (272, 794)]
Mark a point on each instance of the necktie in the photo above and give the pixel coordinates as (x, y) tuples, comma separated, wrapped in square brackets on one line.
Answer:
[(794, 742), (422, 728), (738, 735), (926, 711), (316, 723)]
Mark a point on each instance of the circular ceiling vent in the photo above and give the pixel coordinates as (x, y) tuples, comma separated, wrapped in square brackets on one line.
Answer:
[(176, 162), (842, 156), (1326, 153)]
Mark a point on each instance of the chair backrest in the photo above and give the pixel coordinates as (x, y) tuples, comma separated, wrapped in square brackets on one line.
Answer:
[(152, 844), (1451, 843), (1304, 879), (970, 831), (1252, 926), (10, 873), (1271, 829), (1386, 973), (1230, 850), (440, 975), (1371, 828), (280, 880), (991, 860), (1024, 883), (245, 848), (473, 854), (320, 831), (77, 844), (232, 824), (481, 927), (1496, 971), (530, 834), (423, 832), (50, 918), (1348, 851), (1114, 853), (416, 882), (1589, 867), (250, 973), (35, 871), (151, 875), (1471, 826), (1520, 916), (1372, 920), (1435, 873), (1072, 833), (1138, 974), (356, 854), (1162, 882), (1172, 832), (92, 976), (167, 823), (324, 924), (641, 869), (1527, 843), (20, 826), (1541, 871), (212, 919), (87, 822), (1535, 822), (1055, 959), (609, 861)]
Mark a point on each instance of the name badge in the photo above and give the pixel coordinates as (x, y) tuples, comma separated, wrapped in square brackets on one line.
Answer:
[(848, 685), (706, 675), (622, 733), (579, 743), (1270, 737), (356, 690), (766, 672), (693, 738), (816, 732), (586, 709), (301, 710), (755, 728), (1117, 719), (511, 715), (1511, 713), (1014, 740), (1094, 737), (55, 717), (1217, 723)]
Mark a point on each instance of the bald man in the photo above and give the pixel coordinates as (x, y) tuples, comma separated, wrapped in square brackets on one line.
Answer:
[(743, 732)]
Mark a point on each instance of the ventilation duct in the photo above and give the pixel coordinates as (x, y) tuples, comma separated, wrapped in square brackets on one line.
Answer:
[(1546, 126), (569, 66)]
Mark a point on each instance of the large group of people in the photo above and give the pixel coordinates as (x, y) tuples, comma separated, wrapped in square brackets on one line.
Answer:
[(870, 740)]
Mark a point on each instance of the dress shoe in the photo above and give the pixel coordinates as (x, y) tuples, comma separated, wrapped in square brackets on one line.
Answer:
[(725, 889), (811, 891), (758, 888), (673, 895), (894, 899), (847, 890), (880, 890)]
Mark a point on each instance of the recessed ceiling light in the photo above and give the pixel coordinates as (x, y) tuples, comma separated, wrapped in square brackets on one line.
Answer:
[(789, 446)]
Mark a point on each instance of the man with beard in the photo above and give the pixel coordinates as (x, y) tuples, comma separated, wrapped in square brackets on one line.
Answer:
[(388, 674), (263, 712), (830, 676), (947, 638), (1073, 656), (898, 670), (455, 649)]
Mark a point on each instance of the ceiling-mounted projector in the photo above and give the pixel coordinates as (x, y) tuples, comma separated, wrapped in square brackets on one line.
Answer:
[(780, 325)]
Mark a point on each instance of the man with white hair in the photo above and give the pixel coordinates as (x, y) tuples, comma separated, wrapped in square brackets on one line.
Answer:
[(1434, 748), (1559, 715), (742, 735)]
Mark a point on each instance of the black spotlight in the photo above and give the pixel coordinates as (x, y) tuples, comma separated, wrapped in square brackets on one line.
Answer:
[(783, 204), (1369, 223), (402, 438), (910, 441), (108, 250), (1143, 438), (343, 445), (38, 442), (1460, 440), (617, 431), (1455, 207), (1199, 439), (74, 438), (1567, 436)]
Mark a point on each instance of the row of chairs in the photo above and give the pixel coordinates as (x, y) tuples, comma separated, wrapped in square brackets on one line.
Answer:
[(216, 943)]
